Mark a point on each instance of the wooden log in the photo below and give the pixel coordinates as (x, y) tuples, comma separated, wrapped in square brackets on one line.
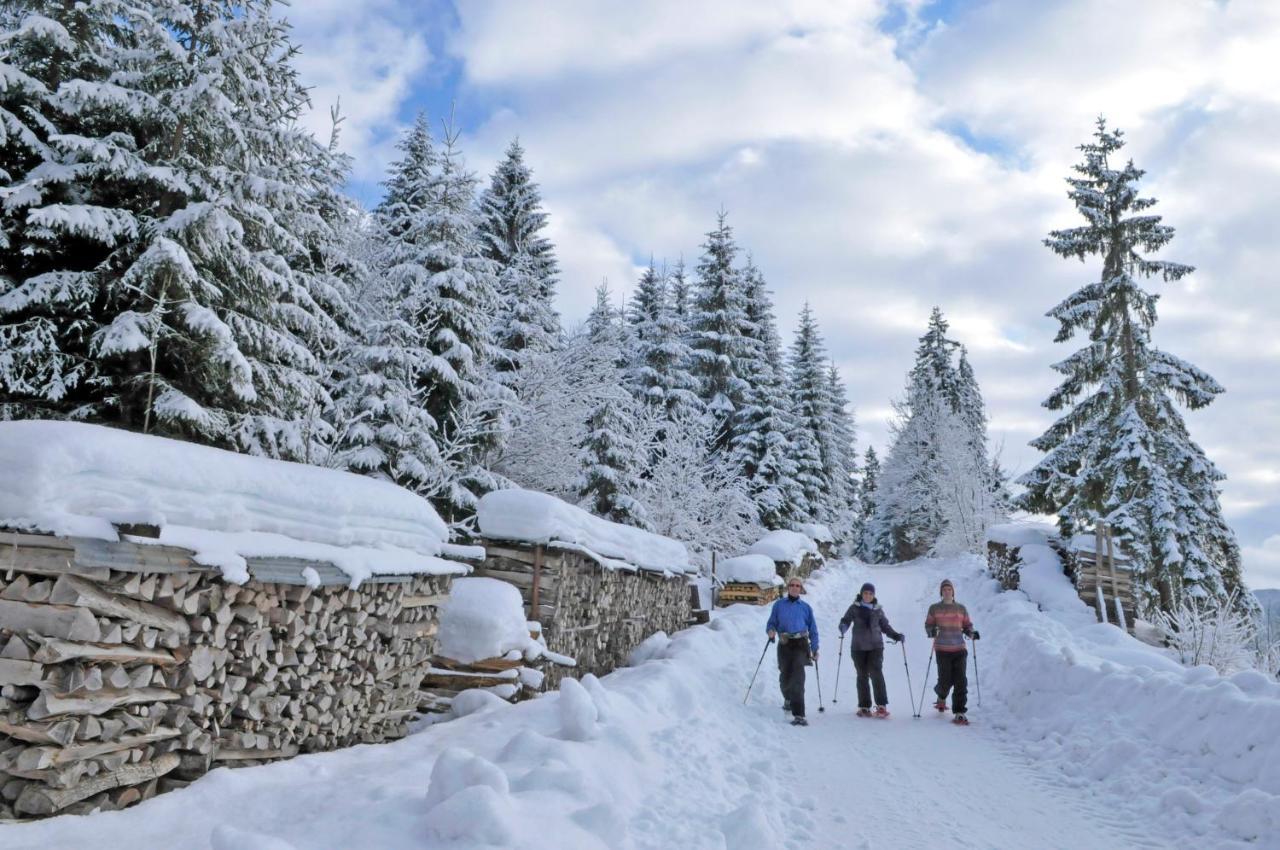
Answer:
[(245, 753), (37, 800), (60, 732), (422, 600), (13, 672), (60, 621), (56, 651), (50, 705), (39, 758), (71, 590)]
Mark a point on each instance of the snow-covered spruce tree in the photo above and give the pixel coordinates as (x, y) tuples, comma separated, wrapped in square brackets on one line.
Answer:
[(681, 295), (759, 445), (934, 493), (511, 234), (610, 455), (443, 290), (841, 458), (658, 358), (1121, 453), (151, 276), (867, 497), (811, 411), (718, 331)]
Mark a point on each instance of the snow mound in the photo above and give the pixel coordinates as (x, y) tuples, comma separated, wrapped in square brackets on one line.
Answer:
[(74, 479), (483, 618), (527, 516), (578, 712), (469, 798), (226, 837), (784, 547), (749, 569), (816, 531)]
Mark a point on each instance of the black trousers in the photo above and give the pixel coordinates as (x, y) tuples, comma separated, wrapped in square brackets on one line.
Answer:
[(793, 655), (869, 664), (953, 673)]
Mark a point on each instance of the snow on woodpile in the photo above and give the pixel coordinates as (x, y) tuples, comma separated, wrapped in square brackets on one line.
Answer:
[(749, 569), (527, 516), (484, 618), (818, 532), (75, 480), (784, 547)]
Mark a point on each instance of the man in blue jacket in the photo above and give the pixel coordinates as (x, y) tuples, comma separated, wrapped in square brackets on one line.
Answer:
[(791, 622)]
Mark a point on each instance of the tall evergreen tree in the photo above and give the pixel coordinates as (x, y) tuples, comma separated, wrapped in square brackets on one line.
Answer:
[(1121, 453), (511, 233), (443, 290), (811, 408), (658, 359), (867, 499), (718, 330), (841, 461), (154, 168), (759, 443)]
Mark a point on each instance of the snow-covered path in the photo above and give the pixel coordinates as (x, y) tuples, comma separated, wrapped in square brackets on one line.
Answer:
[(849, 782), (1087, 739)]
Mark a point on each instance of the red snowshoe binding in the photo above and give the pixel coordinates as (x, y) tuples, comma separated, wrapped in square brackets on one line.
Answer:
[(881, 711), (941, 705), (864, 712), (960, 720)]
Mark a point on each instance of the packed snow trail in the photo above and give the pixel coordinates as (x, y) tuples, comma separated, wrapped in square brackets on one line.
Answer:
[(853, 782), (1087, 739)]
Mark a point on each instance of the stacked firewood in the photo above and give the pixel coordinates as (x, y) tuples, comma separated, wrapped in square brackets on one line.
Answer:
[(119, 683)]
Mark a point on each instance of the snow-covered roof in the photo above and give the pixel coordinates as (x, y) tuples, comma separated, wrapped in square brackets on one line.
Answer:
[(74, 480), (752, 569), (527, 516), (817, 531), (786, 547), (484, 618)]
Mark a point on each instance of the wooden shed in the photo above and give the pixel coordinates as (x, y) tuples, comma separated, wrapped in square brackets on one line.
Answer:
[(793, 553)]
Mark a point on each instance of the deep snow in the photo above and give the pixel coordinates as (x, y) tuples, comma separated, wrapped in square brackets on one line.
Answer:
[(1085, 738)]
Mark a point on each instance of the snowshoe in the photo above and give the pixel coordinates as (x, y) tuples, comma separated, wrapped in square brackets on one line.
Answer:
[(799, 721), (960, 720), (864, 712), (941, 705), (881, 711)]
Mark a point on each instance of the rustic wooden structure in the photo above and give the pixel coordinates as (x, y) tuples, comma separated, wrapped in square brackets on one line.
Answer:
[(748, 592), (591, 609), (128, 669), (1102, 577)]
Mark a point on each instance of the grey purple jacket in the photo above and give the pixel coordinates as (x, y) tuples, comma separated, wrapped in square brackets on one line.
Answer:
[(869, 626)]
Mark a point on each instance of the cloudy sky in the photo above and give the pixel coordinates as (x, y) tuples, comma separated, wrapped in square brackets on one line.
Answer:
[(877, 157)]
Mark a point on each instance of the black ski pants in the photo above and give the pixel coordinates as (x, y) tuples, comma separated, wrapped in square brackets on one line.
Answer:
[(952, 673), (869, 664), (793, 655)]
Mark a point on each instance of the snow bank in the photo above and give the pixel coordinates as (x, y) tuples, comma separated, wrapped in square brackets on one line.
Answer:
[(751, 569), (818, 532), (787, 547), (1123, 718), (74, 479), (483, 618), (531, 517)]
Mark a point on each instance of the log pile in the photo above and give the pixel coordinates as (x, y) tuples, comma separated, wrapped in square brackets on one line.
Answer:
[(588, 612), (748, 592), (126, 670)]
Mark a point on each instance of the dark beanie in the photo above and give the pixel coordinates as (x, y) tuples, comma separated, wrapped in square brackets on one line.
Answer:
[(868, 586), (946, 582)]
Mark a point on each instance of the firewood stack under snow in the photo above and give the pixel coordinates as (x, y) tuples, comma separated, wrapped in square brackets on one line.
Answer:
[(257, 609)]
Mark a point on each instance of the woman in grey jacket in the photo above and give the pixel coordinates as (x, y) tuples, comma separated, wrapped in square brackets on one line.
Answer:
[(869, 627)]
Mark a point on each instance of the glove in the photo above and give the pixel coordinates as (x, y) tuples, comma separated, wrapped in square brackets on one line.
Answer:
[(843, 629), (975, 634), (931, 631), (901, 638)]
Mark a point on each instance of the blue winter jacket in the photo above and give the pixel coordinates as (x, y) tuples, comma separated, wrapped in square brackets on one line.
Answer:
[(791, 616)]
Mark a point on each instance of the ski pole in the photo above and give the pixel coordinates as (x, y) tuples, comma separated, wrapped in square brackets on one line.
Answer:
[(835, 698), (977, 677), (927, 668), (817, 671), (910, 690), (753, 675)]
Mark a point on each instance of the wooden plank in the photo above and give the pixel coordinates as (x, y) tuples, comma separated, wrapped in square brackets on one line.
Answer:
[(40, 800), (47, 562), (61, 621), (433, 600), (135, 557), (240, 754), (56, 651), (14, 539), (76, 591)]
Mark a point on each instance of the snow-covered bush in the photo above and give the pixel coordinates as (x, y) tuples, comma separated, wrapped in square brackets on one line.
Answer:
[(1211, 631)]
